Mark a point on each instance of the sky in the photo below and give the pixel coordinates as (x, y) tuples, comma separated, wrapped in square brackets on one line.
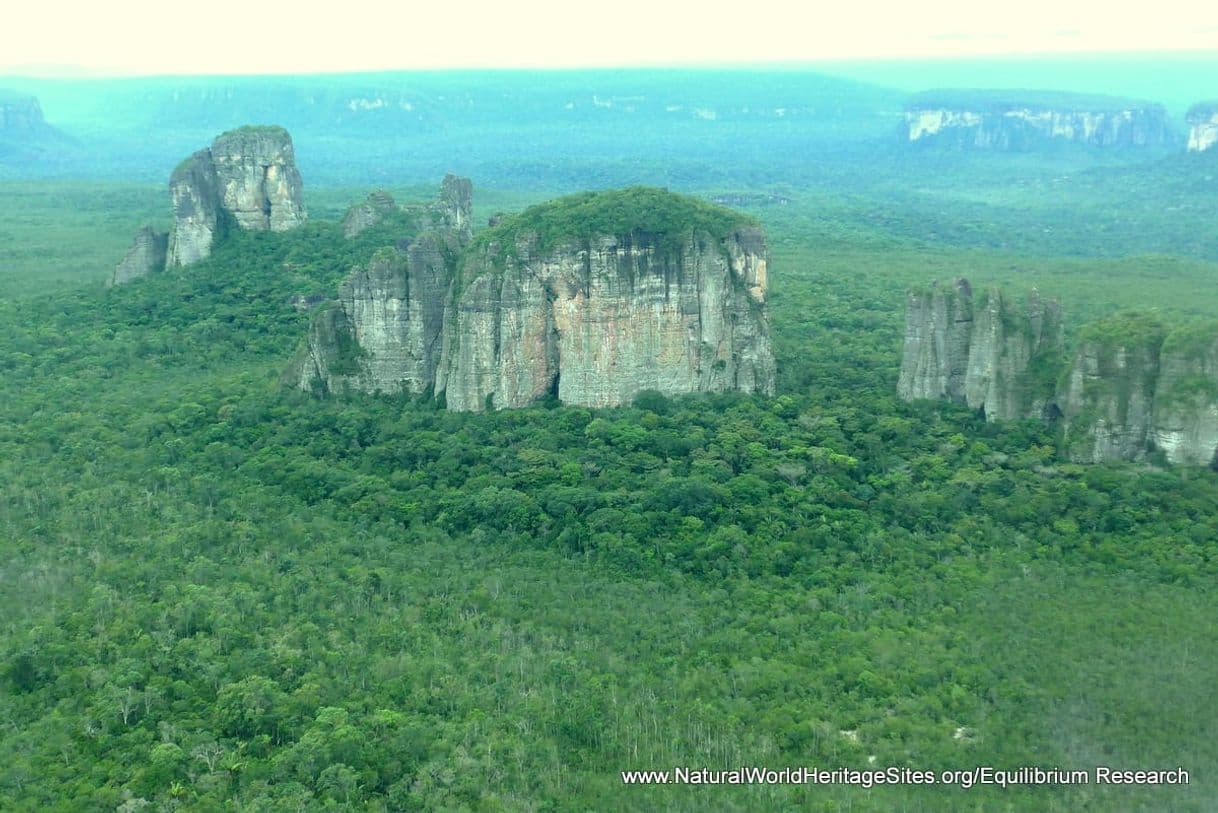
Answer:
[(151, 37)]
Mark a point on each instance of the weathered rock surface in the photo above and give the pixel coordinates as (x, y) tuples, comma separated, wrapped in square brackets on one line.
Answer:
[(595, 322), (196, 209), (455, 207), (995, 355), (384, 333), (590, 315), (938, 330), (257, 178), (1202, 126), (1186, 396), (247, 179), (146, 256), (1025, 120), (365, 215), (1107, 402)]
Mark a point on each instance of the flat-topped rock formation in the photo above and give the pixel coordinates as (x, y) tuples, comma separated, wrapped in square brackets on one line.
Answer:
[(591, 299), (1021, 120)]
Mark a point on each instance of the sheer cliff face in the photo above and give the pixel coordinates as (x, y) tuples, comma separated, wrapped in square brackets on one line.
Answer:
[(146, 256), (257, 178), (1108, 400), (1186, 397), (247, 178), (1203, 127), (196, 210), (993, 354), (383, 334), (1014, 127), (596, 321), (938, 330)]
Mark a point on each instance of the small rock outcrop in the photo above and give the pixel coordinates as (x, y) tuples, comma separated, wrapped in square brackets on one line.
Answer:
[(1202, 122), (247, 179), (590, 299), (146, 256), (994, 354), (1107, 402), (363, 216), (1017, 121)]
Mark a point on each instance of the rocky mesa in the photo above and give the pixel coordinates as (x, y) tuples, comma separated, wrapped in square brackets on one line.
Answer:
[(1134, 387), (1023, 120), (992, 352), (247, 179), (590, 299)]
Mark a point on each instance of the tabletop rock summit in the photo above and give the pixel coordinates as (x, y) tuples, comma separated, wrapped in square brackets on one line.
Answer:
[(591, 299)]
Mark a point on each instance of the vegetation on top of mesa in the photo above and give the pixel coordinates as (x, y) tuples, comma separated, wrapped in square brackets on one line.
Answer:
[(1126, 329), (1203, 109), (1192, 340), (255, 130), (658, 212), (987, 100)]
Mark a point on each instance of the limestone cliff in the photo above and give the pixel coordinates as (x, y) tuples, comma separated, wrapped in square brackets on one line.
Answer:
[(1186, 396), (1024, 120), (247, 178), (146, 256), (996, 355), (591, 299), (1107, 401), (1202, 126)]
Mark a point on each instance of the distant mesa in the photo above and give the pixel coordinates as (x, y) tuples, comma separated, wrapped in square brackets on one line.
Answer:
[(1024, 120), (1202, 126), (1135, 385), (24, 133), (247, 179), (20, 113), (589, 299)]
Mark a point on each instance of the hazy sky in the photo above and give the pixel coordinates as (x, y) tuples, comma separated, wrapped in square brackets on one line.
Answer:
[(248, 36)]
